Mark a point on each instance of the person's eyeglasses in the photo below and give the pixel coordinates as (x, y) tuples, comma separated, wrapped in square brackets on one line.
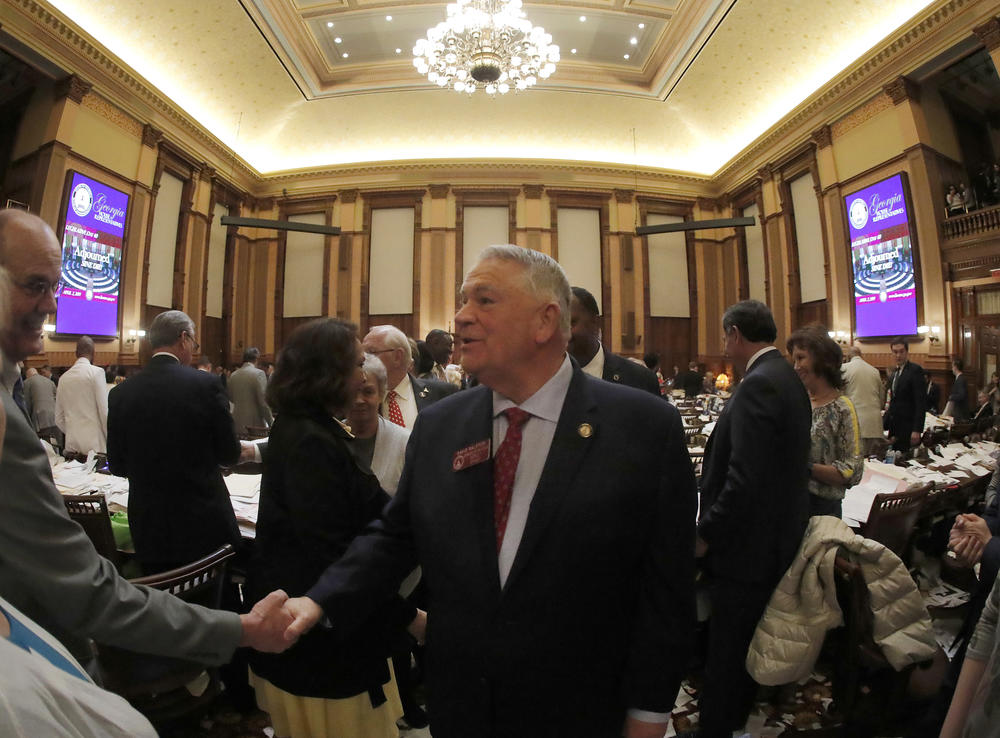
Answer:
[(194, 344), (37, 288), (381, 351)]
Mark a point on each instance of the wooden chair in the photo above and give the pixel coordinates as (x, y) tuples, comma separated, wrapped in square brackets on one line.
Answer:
[(858, 660), (960, 430), (893, 518), (91, 512), (155, 685)]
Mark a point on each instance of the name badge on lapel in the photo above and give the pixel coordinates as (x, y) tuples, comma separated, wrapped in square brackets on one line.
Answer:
[(477, 453)]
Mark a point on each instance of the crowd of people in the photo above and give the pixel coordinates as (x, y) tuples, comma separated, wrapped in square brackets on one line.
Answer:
[(526, 518)]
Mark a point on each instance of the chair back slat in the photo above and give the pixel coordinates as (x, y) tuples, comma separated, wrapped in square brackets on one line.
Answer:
[(893, 518), (91, 512)]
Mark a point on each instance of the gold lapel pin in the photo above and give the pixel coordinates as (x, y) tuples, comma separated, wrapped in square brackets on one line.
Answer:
[(617, 378), (585, 430)]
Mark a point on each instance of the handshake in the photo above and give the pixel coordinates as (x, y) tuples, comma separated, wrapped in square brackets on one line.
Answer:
[(276, 622), (969, 536)]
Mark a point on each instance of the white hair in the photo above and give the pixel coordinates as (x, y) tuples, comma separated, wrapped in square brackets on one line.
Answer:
[(393, 338), (373, 365), (545, 278)]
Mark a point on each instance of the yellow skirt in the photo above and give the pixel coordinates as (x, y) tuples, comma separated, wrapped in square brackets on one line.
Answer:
[(315, 717)]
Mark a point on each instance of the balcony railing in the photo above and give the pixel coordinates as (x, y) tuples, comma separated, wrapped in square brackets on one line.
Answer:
[(970, 224)]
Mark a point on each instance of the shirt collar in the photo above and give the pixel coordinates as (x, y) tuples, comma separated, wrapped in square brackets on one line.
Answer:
[(84, 359), (166, 353), (405, 388), (759, 354), (547, 402), (595, 367)]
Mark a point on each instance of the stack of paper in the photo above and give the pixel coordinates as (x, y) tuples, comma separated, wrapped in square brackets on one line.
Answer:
[(858, 500)]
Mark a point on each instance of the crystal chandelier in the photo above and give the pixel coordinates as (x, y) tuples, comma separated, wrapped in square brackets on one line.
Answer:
[(486, 45)]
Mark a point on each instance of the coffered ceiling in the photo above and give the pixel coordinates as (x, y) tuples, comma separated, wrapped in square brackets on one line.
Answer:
[(301, 84)]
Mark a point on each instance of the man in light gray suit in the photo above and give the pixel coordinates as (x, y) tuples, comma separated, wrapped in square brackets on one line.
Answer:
[(48, 567), (246, 387), (863, 385), (40, 400)]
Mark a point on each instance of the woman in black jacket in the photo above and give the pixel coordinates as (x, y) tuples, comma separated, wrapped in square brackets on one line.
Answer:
[(314, 500)]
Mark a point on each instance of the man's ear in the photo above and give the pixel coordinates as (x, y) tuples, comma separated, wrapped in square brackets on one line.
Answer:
[(548, 322)]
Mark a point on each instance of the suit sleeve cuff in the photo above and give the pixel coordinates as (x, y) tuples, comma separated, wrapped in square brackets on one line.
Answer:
[(649, 717)]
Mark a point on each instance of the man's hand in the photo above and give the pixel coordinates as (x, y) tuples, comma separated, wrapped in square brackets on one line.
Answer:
[(248, 452), (700, 547), (418, 627), (640, 729), (915, 438), (969, 536), (264, 626), (304, 613)]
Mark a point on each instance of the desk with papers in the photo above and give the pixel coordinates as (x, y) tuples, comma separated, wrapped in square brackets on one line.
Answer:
[(80, 478), (955, 474)]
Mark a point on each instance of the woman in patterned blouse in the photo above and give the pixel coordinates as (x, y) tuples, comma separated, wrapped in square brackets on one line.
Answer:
[(835, 461)]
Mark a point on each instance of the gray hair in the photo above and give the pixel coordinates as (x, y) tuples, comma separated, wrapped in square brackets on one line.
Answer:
[(393, 337), (545, 278), (854, 350), (374, 366), (167, 328)]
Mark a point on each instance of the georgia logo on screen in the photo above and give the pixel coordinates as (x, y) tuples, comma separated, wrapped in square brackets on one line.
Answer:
[(858, 213), (83, 199)]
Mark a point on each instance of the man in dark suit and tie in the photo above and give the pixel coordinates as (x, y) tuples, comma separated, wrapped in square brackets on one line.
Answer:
[(407, 394), (904, 419), (754, 507), (552, 514), (585, 346), (169, 430)]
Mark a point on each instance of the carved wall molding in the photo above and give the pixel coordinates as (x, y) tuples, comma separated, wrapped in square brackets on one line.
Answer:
[(533, 191), (73, 87), (112, 113), (989, 34), (902, 89), (439, 190), (822, 136), (861, 114), (151, 137), (624, 196), (348, 196)]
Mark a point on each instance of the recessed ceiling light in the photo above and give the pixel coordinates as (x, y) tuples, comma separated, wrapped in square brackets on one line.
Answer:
[(633, 40), (572, 51), (337, 40), (329, 24), (642, 25), (399, 51), (626, 56), (388, 17), (345, 55), (583, 18)]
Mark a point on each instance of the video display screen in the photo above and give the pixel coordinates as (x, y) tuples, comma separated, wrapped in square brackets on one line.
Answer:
[(92, 240), (885, 286)]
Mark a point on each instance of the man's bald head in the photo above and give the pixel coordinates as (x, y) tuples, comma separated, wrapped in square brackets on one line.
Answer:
[(853, 350), (30, 254), (85, 348)]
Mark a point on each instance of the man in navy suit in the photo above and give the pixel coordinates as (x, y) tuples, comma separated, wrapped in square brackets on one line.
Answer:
[(754, 507), (585, 346), (560, 577), (904, 418), (169, 430)]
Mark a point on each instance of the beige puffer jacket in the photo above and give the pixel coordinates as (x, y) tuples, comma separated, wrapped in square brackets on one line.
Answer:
[(804, 606)]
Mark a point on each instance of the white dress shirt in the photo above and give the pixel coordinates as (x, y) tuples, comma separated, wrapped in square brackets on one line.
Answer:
[(537, 433), (405, 399), (595, 367), (82, 407), (758, 355)]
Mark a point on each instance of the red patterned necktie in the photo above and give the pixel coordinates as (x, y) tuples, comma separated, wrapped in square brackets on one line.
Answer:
[(395, 414), (504, 469)]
